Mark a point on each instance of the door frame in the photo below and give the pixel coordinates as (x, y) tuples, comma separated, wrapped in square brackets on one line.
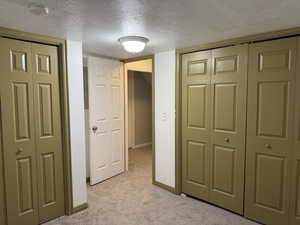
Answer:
[(136, 59), (64, 103), (131, 139), (213, 45), (2, 191)]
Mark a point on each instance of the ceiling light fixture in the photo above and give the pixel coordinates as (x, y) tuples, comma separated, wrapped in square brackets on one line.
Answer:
[(38, 9), (133, 44)]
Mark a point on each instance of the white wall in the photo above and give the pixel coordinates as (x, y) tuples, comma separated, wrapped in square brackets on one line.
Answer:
[(165, 117), (77, 121)]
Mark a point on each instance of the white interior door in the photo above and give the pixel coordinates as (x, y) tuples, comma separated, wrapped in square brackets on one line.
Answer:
[(106, 118)]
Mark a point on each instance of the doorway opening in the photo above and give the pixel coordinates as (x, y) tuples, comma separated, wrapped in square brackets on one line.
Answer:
[(139, 116), (119, 108)]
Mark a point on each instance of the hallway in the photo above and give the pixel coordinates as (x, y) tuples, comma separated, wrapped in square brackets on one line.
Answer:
[(131, 199)]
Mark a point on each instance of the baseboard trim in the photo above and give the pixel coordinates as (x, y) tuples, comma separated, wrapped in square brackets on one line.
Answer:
[(142, 145), (80, 208), (164, 186)]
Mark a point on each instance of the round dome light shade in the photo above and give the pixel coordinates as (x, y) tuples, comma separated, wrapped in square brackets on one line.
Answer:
[(133, 44), (38, 9)]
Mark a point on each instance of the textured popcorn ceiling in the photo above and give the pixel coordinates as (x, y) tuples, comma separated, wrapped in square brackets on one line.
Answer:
[(168, 24)]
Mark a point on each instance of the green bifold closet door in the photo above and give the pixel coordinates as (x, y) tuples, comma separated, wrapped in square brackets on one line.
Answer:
[(270, 131), (295, 207), (214, 85), (31, 132)]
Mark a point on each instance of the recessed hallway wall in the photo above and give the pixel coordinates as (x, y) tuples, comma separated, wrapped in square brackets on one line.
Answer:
[(139, 108)]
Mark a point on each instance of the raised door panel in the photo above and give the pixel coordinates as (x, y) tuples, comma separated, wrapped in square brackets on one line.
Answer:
[(100, 162), (295, 199), (271, 91), (48, 131), (21, 111), (198, 67), (43, 64), (266, 189), (274, 61), (196, 76), (115, 90), (116, 111), (272, 109), (223, 167), (48, 173), (197, 172), (225, 107), (45, 110), (228, 123), (225, 64), (18, 61), (196, 101), (24, 180), (18, 132), (116, 147)]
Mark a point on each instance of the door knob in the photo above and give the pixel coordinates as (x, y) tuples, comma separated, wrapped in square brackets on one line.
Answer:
[(94, 129), (226, 140), (19, 151), (268, 146)]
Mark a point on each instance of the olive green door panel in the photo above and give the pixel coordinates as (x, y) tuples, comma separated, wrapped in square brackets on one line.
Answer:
[(228, 125), (196, 106), (272, 97), (266, 188), (48, 131), (196, 71), (18, 132), (223, 163), (196, 163), (225, 106), (295, 199), (270, 128)]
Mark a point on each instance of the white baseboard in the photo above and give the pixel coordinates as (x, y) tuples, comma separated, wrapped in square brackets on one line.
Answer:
[(142, 145)]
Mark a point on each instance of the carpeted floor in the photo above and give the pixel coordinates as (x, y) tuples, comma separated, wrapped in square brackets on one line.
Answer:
[(131, 199)]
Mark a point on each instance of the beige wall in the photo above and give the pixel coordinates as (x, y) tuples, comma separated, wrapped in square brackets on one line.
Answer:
[(139, 108), (131, 120), (141, 65)]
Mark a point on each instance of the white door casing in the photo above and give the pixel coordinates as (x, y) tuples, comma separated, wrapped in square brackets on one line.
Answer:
[(106, 118)]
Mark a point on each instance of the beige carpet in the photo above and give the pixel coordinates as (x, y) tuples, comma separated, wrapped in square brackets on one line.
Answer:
[(131, 199)]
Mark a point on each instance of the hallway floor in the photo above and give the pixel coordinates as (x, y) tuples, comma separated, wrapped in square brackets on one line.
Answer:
[(131, 199)]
